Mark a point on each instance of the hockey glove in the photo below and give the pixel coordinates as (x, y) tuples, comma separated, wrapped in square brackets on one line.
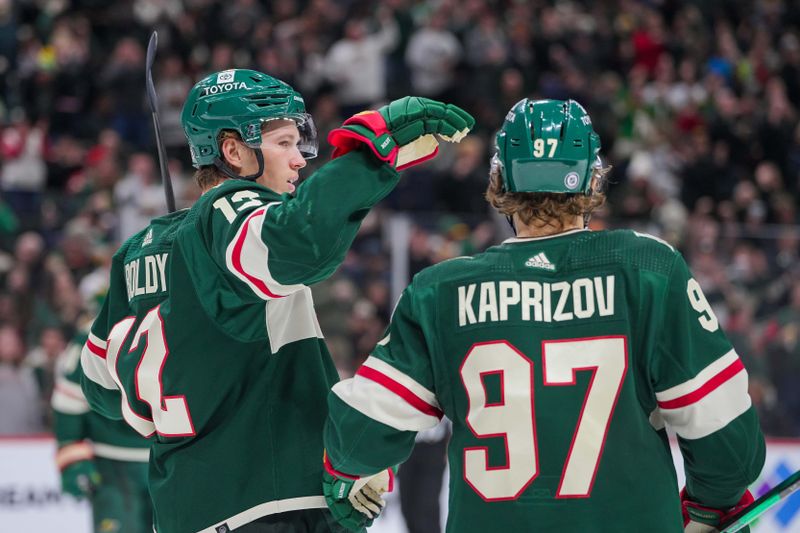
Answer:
[(355, 502), (402, 133), (79, 476), (80, 479), (698, 518)]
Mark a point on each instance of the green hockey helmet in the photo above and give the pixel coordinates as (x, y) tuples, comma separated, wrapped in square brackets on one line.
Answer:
[(241, 100), (547, 146)]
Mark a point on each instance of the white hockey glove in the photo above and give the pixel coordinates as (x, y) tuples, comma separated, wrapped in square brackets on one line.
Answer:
[(366, 494)]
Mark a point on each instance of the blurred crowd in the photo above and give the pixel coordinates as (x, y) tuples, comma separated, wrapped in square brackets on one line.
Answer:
[(696, 103)]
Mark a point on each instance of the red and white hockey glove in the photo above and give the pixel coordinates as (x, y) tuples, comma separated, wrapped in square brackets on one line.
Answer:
[(402, 133), (698, 518)]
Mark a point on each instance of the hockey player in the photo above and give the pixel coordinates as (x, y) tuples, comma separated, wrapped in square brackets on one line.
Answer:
[(107, 460), (560, 356), (229, 374), (100, 459)]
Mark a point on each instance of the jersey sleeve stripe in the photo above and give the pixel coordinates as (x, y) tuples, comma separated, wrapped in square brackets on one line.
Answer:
[(704, 390), (66, 404), (247, 257), (69, 388), (375, 401), (403, 379), (122, 453), (99, 351), (292, 319), (97, 341), (400, 390), (326, 463), (68, 398), (697, 382), (72, 453), (712, 411), (95, 369)]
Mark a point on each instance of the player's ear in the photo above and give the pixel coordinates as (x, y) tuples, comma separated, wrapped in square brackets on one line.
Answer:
[(232, 153)]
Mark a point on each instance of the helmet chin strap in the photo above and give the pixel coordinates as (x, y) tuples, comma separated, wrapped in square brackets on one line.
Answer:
[(588, 216), (228, 171), (510, 221)]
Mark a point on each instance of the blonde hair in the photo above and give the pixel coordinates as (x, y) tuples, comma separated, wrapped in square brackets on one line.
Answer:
[(543, 209)]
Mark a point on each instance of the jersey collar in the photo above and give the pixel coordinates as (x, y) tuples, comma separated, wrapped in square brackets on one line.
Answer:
[(554, 236)]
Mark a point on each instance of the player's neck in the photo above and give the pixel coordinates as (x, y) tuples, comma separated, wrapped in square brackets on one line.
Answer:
[(527, 231), (211, 186)]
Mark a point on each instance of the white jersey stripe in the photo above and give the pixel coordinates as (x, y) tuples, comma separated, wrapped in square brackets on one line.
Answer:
[(121, 453), (67, 404), (699, 380), (68, 398), (292, 319), (247, 257), (69, 388), (72, 453), (266, 509), (95, 369), (97, 341), (713, 411), (379, 403), (403, 379)]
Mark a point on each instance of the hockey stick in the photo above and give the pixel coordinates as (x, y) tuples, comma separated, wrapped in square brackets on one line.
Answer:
[(761, 505), (153, 101)]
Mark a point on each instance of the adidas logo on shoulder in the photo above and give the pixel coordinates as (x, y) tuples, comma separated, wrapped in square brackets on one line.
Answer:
[(540, 261), (148, 237)]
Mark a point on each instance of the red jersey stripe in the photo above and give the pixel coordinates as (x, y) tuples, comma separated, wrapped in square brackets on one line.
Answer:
[(237, 256), (95, 349), (332, 471), (400, 390), (707, 388)]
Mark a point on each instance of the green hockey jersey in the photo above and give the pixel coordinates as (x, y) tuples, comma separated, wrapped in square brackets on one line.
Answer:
[(230, 373), (81, 433), (559, 361), (138, 282)]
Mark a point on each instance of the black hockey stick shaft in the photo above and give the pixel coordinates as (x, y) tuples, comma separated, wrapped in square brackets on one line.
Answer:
[(152, 99), (779, 492)]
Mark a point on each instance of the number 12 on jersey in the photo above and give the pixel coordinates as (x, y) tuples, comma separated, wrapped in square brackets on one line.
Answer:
[(170, 415), (513, 417)]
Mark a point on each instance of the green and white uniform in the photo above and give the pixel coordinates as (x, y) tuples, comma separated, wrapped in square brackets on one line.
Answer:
[(560, 361), (231, 372), (139, 281), (120, 502)]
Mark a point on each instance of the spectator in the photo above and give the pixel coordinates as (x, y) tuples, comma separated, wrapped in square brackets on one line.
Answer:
[(138, 196), (19, 394), (23, 174), (432, 55), (42, 359), (172, 87), (122, 80), (355, 63)]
